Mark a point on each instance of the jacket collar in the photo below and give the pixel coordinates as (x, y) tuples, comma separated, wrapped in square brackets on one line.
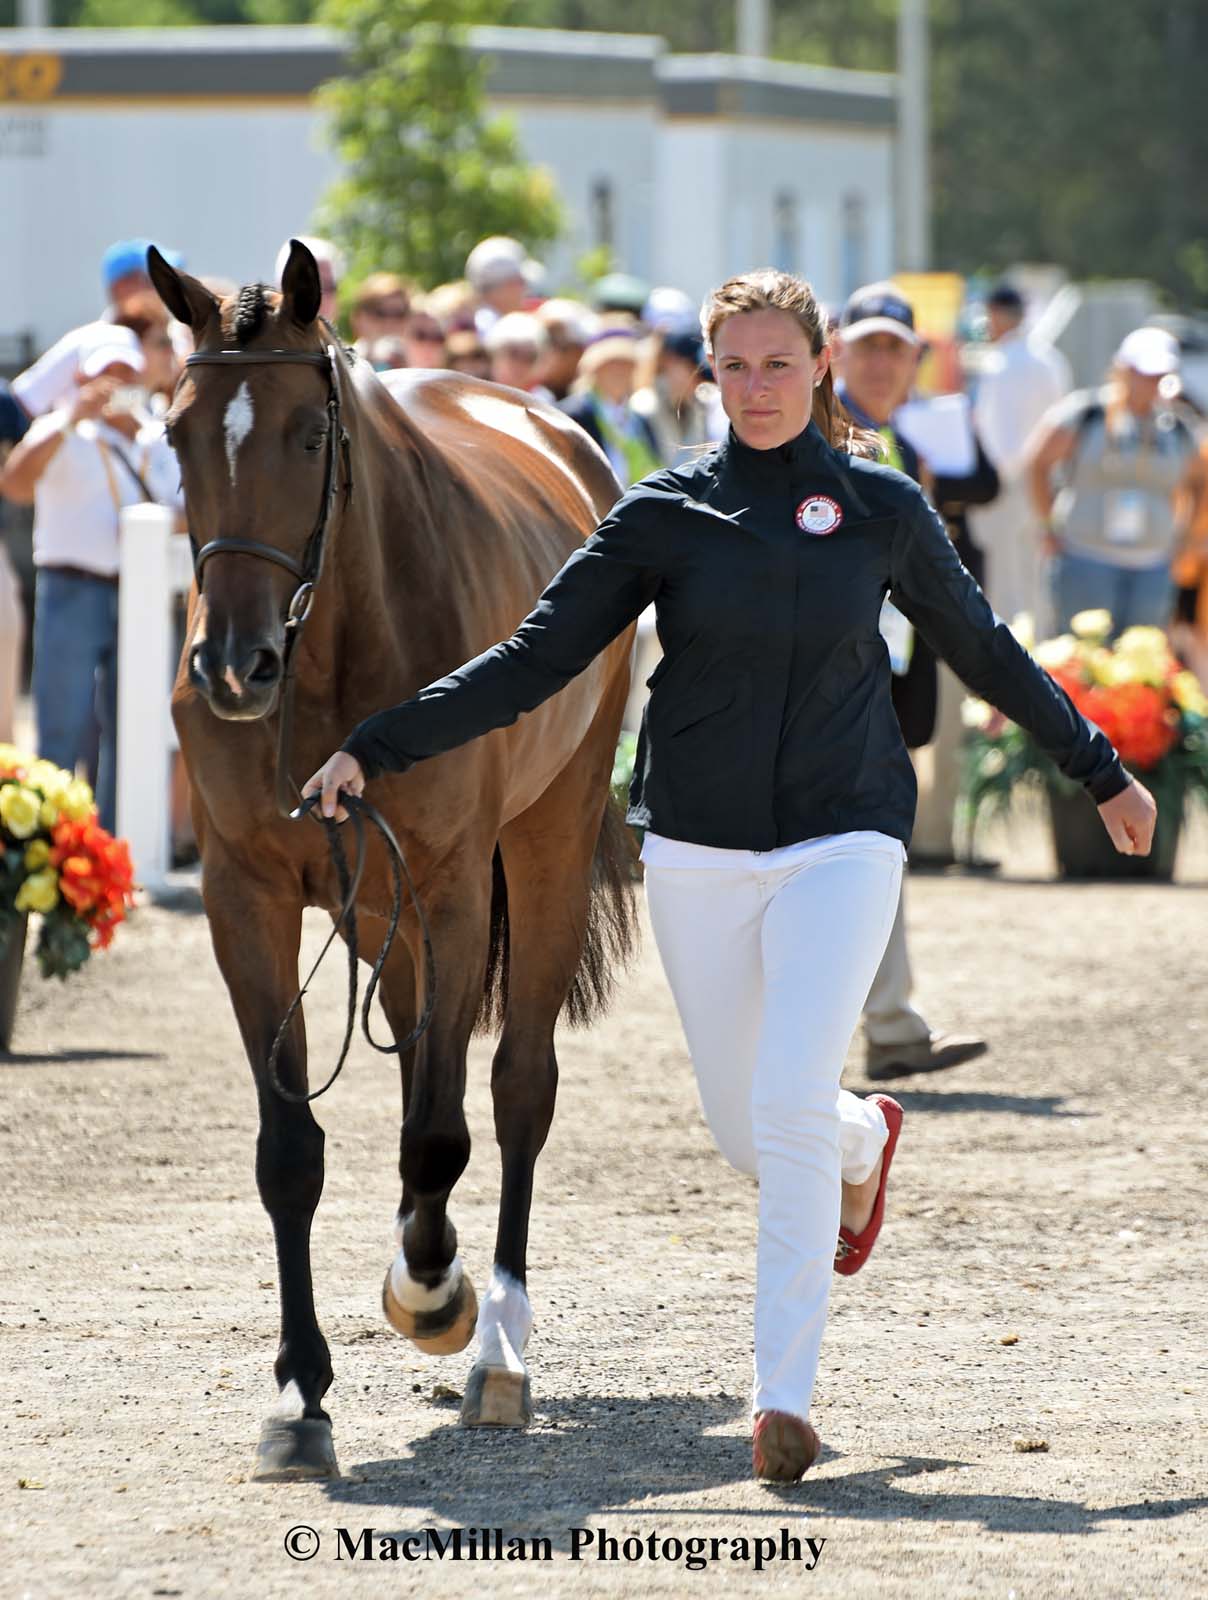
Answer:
[(808, 449)]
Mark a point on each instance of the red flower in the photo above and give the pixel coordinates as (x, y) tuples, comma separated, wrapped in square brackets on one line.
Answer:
[(96, 877), (1140, 720)]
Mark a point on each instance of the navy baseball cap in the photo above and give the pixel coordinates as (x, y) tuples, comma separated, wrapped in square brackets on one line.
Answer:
[(687, 344), (878, 308)]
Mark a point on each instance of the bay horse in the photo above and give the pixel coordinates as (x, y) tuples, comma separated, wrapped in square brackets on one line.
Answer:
[(408, 529)]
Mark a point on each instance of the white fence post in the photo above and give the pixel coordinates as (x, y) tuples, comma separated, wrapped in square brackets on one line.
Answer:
[(151, 578)]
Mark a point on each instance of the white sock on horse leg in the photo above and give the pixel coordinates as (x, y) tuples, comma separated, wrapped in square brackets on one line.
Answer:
[(505, 1320), (409, 1292)]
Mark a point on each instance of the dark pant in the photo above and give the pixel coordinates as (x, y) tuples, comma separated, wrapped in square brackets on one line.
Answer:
[(75, 675)]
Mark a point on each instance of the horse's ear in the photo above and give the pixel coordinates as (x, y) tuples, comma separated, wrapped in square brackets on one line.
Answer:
[(301, 286), (186, 298)]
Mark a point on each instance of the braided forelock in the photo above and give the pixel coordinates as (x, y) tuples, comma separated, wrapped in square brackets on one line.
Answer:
[(247, 317)]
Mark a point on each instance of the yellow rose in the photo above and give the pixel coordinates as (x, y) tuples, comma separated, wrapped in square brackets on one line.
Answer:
[(12, 759), (1056, 652), (19, 809), (39, 892), (46, 776), (1188, 696), (1091, 624), (77, 805), (48, 814), (37, 854)]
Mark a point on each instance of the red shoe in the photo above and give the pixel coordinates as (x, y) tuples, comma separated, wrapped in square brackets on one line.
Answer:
[(783, 1448), (854, 1249)]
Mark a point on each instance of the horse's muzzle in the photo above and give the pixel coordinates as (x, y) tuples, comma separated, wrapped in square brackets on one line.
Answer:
[(238, 691)]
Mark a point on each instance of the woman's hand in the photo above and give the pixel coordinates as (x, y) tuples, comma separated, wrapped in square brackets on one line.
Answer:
[(1130, 818), (339, 773)]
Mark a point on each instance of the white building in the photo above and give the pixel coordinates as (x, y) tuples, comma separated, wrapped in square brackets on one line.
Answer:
[(209, 141)]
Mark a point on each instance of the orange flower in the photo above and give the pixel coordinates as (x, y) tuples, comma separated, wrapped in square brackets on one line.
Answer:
[(96, 877), (1139, 719)]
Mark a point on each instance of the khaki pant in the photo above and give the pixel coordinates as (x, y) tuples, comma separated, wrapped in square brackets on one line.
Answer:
[(889, 1017), (938, 768)]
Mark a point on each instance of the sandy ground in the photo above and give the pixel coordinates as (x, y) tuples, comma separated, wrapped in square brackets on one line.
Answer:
[(1041, 1277)]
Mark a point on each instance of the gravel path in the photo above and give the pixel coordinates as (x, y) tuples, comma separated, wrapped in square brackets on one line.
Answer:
[(1041, 1279)]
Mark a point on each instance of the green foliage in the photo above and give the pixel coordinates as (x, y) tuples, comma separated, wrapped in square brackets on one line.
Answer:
[(63, 945), (622, 768), (427, 174), (158, 13), (137, 14)]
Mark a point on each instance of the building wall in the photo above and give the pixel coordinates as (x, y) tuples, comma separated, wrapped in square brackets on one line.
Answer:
[(691, 168), (225, 184), (602, 159)]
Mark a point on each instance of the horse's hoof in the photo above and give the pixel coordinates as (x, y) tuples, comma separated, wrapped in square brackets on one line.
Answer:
[(289, 1451), (442, 1332), (497, 1397)]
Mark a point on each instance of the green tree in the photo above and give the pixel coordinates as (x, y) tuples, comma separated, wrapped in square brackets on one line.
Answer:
[(427, 174)]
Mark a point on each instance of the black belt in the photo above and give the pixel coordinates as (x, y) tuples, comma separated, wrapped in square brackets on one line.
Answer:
[(110, 578)]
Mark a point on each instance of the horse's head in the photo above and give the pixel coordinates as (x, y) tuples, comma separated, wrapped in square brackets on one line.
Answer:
[(255, 429)]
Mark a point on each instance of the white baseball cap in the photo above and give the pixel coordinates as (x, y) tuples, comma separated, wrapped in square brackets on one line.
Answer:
[(1152, 352), (103, 346), (499, 260)]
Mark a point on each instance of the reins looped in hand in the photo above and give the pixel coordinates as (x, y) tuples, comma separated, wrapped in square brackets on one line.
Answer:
[(359, 810)]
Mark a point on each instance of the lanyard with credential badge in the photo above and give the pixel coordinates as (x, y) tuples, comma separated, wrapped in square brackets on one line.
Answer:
[(895, 630)]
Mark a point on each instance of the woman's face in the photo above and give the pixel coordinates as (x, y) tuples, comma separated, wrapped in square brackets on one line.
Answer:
[(1140, 391), (767, 373), (160, 357)]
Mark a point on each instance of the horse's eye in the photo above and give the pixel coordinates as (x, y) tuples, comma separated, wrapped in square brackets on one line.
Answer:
[(316, 441)]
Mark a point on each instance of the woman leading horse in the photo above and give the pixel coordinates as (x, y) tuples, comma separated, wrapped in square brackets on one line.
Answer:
[(772, 779), (352, 545)]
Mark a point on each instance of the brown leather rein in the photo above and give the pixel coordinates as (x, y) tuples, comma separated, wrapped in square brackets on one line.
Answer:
[(308, 571)]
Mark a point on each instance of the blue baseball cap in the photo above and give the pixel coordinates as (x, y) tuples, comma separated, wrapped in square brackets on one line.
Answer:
[(130, 255), (878, 308)]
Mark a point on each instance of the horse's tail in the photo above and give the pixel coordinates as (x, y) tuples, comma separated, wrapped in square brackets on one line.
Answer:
[(608, 944)]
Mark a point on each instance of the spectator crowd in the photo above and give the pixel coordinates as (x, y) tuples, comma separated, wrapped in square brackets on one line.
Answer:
[(1058, 501)]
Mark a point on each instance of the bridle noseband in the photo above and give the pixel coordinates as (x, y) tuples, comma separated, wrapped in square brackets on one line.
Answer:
[(309, 569)]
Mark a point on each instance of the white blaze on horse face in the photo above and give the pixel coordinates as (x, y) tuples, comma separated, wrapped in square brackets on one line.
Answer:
[(505, 1320), (237, 424)]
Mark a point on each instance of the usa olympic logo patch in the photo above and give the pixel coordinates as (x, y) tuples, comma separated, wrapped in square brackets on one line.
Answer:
[(819, 515)]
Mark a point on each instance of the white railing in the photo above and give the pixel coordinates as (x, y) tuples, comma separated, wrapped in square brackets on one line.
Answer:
[(156, 569)]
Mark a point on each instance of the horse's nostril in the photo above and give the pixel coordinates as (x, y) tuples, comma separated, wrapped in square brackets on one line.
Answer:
[(199, 665), (262, 667)]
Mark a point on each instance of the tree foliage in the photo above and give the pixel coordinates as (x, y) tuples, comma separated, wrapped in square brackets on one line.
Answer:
[(426, 172)]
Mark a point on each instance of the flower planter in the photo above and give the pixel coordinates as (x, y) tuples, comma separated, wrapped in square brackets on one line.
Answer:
[(1085, 850), (12, 956)]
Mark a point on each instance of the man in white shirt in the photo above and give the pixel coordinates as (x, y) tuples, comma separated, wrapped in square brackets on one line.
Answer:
[(1018, 383), (79, 465), (51, 381)]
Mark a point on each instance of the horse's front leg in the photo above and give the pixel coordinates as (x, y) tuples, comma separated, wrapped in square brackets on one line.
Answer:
[(427, 1294), (256, 936)]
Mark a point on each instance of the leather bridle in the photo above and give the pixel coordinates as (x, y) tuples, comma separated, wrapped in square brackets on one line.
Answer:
[(309, 569)]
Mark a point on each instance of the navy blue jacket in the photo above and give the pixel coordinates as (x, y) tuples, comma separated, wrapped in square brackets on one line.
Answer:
[(770, 718)]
